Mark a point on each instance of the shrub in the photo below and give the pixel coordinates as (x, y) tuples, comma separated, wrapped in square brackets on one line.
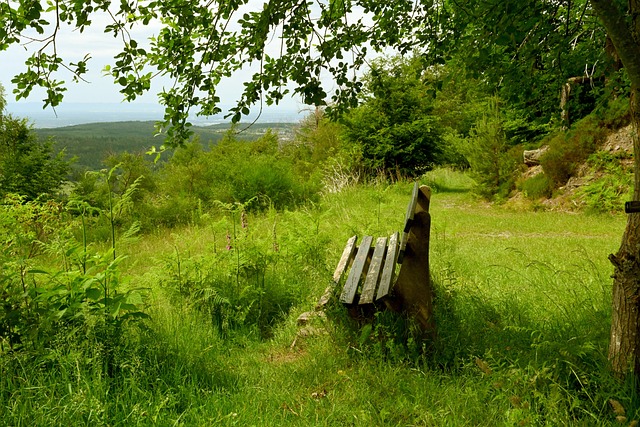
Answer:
[(394, 126), (50, 285), (537, 187), (269, 179), (492, 162), (567, 151), (238, 288), (233, 171), (616, 114), (28, 166)]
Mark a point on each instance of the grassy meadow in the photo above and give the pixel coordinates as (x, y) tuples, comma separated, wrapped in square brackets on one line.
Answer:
[(522, 308)]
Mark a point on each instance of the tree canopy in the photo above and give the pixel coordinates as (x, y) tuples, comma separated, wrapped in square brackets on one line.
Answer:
[(314, 49)]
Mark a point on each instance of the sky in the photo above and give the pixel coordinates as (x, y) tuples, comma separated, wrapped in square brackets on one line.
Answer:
[(102, 94), (99, 90)]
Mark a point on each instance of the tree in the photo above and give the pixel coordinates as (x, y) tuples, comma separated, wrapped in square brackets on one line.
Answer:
[(28, 166), (524, 50), (486, 150), (623, 27), (394, 125)]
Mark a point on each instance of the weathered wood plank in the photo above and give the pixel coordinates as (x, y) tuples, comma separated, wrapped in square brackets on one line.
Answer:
[(402, 247), (411, 209), (371, 281), (347, 254), (413, 291), (389, 266), (420, 200), (353, 279), (424, 199)]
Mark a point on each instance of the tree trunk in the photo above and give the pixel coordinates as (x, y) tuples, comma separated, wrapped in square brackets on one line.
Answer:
[(624, 346)]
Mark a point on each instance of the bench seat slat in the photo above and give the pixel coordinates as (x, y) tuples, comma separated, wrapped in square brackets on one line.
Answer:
[(353, 279), (375, 267), (347, 255), (389, 266)]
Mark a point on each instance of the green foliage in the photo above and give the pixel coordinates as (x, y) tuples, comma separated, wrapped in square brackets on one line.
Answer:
[(316, 142), (537, 187), (614, 113), (28, 166), (247, 286), (611, 185), (241, 171), (90, 144), (52, 286), (524, 51), (113, 202), (568, 150), (236, 289), (487, 151), (394, 127)]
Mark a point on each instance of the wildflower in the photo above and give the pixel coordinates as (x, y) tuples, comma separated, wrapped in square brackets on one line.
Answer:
[(228, 240), (276, 247)]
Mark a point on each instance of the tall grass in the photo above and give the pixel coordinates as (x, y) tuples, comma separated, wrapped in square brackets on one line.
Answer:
[(522, 308)]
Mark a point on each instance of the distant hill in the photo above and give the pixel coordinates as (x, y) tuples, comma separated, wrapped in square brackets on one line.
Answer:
[(92, 143)]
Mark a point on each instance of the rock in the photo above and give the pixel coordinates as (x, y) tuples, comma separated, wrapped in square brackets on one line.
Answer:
[(532, 157)]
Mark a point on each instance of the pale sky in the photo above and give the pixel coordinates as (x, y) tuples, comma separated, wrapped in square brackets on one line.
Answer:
[(99, 88)]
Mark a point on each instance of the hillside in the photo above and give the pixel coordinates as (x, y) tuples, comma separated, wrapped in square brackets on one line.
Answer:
[(91, 143), (601, 183)]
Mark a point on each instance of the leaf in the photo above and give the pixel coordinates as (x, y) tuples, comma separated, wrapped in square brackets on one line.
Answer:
[(93, 294)]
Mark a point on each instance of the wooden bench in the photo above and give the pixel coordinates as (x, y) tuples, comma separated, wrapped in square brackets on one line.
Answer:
[(394, 272)]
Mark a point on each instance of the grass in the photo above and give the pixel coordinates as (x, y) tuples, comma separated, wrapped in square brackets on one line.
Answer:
[(523, 311)]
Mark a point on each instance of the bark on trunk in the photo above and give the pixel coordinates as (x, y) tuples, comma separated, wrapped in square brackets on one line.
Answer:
[(624, 347)]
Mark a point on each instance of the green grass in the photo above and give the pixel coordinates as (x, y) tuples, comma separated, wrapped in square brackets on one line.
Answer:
[(523, 310)]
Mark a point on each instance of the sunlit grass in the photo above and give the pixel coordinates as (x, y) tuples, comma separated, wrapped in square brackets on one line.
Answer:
[(523, 305)]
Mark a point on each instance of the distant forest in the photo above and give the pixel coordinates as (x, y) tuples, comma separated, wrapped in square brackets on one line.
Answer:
[(92, 143)]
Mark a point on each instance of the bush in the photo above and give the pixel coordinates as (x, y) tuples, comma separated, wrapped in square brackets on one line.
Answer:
[(238, 287), (491, 160), (50, 285), (394, 127), (270, 180), (567, 151), (236, 171), (537, 187), (616, 114)]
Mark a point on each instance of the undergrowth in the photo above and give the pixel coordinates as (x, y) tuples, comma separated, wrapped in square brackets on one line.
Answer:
[(611, 183), (522, 308)]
